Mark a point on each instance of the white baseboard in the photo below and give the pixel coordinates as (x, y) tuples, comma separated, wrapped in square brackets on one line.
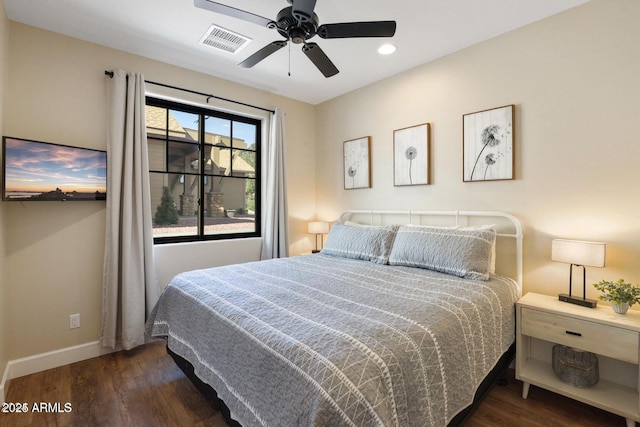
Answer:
[(2, 388), (49, 360), (5, 378)]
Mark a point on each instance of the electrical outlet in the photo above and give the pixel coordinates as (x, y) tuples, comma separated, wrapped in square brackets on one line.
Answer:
[(74, 321)]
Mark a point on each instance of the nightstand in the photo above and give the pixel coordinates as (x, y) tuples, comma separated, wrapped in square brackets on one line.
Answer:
[(542, 321)]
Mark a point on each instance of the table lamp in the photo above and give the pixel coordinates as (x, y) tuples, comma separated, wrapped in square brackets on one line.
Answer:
[(318, 228), (579, 254)]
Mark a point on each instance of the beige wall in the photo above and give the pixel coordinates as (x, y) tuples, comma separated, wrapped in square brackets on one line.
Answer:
[(4, 40), (56, 89), (574, 81)]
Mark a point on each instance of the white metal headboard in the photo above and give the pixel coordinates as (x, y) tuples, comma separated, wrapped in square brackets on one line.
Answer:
[(489, 217)]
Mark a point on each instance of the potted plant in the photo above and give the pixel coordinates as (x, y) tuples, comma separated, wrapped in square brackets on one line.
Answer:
[(622, 295)]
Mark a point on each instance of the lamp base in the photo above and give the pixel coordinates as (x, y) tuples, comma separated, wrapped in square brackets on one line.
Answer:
[(315, 251), (578, 301)]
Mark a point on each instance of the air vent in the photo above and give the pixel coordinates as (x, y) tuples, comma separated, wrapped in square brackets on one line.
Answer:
[(223, 39)]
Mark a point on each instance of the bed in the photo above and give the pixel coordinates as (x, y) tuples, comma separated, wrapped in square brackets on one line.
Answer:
[(389, 325)]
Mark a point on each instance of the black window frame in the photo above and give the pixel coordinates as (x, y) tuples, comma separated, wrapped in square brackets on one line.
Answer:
[(202, 176)]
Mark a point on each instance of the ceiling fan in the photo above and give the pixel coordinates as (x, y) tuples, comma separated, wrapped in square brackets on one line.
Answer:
[(298, 23)]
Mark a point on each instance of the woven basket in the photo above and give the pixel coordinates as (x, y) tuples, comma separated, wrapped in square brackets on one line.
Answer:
[(576, 367)]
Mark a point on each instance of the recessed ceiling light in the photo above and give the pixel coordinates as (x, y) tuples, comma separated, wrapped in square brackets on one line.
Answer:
[(386, 49)]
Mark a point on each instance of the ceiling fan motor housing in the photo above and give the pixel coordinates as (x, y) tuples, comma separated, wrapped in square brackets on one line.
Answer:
[(292, 29)]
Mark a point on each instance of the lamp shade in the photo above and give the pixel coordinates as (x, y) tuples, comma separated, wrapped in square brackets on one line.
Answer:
[(589, 254), (318, 227)]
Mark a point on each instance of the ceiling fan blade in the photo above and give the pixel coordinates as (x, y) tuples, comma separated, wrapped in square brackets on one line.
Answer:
[(263, 53), (357, 29), (320, 59), (303, 9), (233, 12)]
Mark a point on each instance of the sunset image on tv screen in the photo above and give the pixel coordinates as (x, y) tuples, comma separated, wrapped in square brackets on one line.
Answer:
[(43, 171)]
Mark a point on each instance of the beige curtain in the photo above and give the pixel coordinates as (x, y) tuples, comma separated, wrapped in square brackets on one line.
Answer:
[(130, 288), (275, 225)]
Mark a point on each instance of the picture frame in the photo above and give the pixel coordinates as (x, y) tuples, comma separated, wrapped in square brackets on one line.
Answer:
[(357, 163), (412, 155), (487, 145)]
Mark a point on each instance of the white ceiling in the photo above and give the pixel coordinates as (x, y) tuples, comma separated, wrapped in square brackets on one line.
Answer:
[(169, 31)]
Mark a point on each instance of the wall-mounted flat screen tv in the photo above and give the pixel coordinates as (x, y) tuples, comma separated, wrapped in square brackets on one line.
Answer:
[(42, 171)]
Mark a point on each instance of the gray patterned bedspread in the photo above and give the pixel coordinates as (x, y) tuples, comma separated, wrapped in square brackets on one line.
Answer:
[(317, 340)]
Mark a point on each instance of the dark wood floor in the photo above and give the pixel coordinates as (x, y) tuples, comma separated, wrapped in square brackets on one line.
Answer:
[(143, 387)]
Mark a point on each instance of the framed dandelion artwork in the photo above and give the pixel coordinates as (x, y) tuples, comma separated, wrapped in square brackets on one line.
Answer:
[(487, 145), (357, 163), (411, 155)]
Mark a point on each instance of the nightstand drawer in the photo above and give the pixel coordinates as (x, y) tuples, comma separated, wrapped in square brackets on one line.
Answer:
[(601, 339)]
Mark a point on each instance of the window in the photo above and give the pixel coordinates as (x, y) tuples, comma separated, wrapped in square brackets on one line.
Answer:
[(204, 169)]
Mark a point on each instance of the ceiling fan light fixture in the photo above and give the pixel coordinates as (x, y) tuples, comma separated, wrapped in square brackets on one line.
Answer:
[(386, 49)]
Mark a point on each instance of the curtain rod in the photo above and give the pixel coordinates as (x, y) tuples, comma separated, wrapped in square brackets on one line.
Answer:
[(209, 96)]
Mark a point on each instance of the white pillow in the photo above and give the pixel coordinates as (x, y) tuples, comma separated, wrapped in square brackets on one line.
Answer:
[(492, 264), (461, 252), (370, 243)]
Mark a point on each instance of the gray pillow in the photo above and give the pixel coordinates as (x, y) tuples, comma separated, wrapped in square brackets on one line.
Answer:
[(370, 243), (460, 252)]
